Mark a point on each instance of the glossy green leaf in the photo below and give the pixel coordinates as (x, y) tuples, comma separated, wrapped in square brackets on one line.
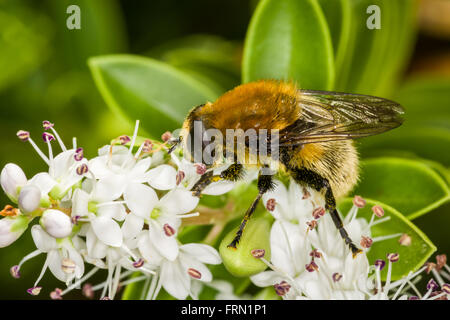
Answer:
[(412, 257), (409, 186), (289, 40), (153, 92), (426, 100), (371, 66), (428, 142)]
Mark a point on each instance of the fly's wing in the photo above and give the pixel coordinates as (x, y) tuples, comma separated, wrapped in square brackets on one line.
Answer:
[(328, 116)]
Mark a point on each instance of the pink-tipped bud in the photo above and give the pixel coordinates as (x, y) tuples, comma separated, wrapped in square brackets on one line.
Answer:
[(47, 124), (258, 253), (378, 211), (23, 135), (270, 204), (359, 202)]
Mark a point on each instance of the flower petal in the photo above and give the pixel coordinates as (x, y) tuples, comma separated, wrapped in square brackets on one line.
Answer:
[(42, 239), (108, 231), (167, 246), (174, 280), (163, 177), (179, 201), (140, 199), (202, 252), (132, 226)]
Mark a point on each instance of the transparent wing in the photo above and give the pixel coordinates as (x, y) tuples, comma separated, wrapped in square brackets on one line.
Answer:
[(328, 116)]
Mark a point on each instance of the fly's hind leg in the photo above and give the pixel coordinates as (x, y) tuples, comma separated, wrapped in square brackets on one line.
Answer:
[(233, 173), (317, 182), (265, 183)]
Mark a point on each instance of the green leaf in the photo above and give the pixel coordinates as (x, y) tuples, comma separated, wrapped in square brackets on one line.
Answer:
[(142, 88), (428, 142), (289, 40), (412, 257), (370, 65), (426, 100), (410, 186)]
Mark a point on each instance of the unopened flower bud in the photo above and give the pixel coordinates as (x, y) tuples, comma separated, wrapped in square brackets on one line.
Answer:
[(11, 179), (29, 198), (11, 228), (56, 223), (240, 260)]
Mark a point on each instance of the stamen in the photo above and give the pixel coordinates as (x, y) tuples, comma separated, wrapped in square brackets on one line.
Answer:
[(393, 257), (200, 168), (378, 211), (188, 215), (28, 257), (306, 194), (25, 136), (359, 202), (79, 154), (441, 261), (68, 265), (87, 291), (318, 212), (133, 139), (124, 139), (438, 277), (166, 136), (270, 205), (315, 254), (81, 280), (15, 272), (139, 263), (311, 267), (446, 288), (180, 177), (382, 238), (282, 288), (34, 291), (336, 277), (82, 170), (194, 273), (379, 264), (432, 285), (258, 253), (48, 125), (74, 143), (169, 230), (9, 211), (56, 294), (366, 242), (405, 240)]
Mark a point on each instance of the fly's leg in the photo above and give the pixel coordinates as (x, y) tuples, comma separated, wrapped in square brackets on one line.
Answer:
[(233, 173), (265, 183), (315, 181)]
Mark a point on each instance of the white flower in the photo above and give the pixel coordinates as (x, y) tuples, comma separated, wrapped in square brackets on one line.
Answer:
[(12, 178), (102, 213), (176, 276), (11, 228), (56, 223), (163, 216)]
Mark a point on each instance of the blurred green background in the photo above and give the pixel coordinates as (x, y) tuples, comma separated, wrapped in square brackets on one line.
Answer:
[(44, 76)]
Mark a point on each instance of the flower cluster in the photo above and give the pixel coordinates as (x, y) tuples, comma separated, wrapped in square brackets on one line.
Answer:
[(120, 211), (309, 260)]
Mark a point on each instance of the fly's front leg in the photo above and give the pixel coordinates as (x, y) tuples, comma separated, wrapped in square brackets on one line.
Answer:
[(233, 173), (316, 182), (265, 183)]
